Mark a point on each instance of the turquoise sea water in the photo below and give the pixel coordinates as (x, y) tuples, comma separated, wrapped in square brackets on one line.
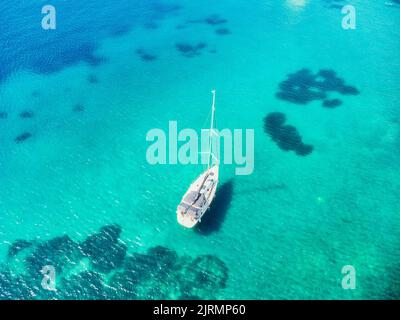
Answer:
[(77, 192)]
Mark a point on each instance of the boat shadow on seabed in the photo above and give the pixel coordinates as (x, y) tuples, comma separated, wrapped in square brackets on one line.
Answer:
[(213, 219)]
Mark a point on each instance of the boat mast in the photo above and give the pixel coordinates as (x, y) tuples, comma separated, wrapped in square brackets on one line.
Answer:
[(211, 128)]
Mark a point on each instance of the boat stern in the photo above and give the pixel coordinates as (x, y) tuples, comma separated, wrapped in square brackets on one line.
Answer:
[(186, 220)]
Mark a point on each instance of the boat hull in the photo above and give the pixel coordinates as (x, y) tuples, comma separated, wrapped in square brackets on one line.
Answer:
[(198, 198)]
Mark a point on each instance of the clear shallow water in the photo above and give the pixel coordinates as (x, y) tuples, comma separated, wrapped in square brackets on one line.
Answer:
[(283, 232)]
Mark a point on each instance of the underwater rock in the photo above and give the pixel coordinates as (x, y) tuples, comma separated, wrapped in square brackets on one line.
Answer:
[(23, 137), (215, 20), (123, 287), (120, 30), (190, 51), (78, 108), (150, 25), (93, 79), (275, 119), (153, 275), (140, 267), (201, 45), (26, 114), (332, 103), (303, 87), (136, 272), (143, 276), (16, 287), (223, 31), (166, 274), (327, 80), (3, 115), (146, 56), (87, 285), (166, 258), (184, 48), (298, 88), (79, 41), (212, 20), (349, 90), (17, 246), (104, 249), (214, 271), (157, 263), (203, 276), (165, 8), (304, 150), (285, 136), (157, 274), (59, 252)]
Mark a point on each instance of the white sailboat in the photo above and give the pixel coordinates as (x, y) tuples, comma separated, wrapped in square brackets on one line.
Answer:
[(201, 193)]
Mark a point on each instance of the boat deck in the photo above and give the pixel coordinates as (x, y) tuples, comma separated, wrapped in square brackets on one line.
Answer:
[(198, 198)]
